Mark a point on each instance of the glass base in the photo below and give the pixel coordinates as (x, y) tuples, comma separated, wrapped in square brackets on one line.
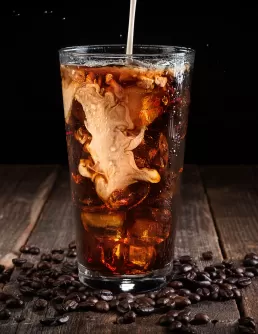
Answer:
[(125, 283)]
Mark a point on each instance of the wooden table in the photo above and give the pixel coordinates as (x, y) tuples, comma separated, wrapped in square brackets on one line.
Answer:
[(219, 213)]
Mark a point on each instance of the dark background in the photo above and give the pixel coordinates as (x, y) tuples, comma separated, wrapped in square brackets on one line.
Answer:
[(223, 116)]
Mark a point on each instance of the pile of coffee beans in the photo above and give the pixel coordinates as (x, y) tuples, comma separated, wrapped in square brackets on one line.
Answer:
[(53, 281)]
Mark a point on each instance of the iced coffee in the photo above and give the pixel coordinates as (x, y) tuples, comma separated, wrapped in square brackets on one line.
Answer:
[(125, 130)]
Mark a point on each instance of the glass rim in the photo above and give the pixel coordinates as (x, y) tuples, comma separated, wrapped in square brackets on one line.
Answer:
[(88, 50)]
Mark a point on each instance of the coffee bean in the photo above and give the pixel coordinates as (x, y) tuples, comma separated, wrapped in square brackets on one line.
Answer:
[(145, 300), (220, 266), (2, 268), (176, 284), (27, 291), (165, 292), (73, 296), (105, 295), (14, 303), (226, 294), (35, 285), (87, 305), (72, 245), (246, 330), (175, 327), (70, 305), (251, 256), (113, 303), (250, 262), (43, 265), (214, 288), (247, 322), (58, 258), (229, 272), (204, 293), (231, 280), (46, 257), (210, 269), (226, 286), (57, 251), (237, 294), (143, 309), (186, 268), (244, 281), (128, 318), (161, 302), (228, 264), (45, 293), (62, 320), (119, 320), (191, 275), (249, 274), (40, 304), (203, 276), (203, 284), (194, 298), (27, 266), (166, 320), (34, 250), (182, 302), (207, 256), (102, 306), (126, 295), (25, 249), (185, 259), (5, 314), (221, 275), (188, 330), (252, 270), (152, 294), (217, 281), (183, 317), (72, 253), (18, 262), (200, 319), (123, 306), (214, 296)]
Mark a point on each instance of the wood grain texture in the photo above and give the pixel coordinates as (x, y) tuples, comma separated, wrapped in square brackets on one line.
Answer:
[(196, 234), (233, 196), (20, 192)]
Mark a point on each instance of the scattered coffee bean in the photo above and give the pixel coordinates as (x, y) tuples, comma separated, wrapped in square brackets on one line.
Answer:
[(73, 296), (250, 262), (247, 322), (14, 303), (175, 327), (58, 258), (249, 274), (184, 317), (165, 292), (143, 309), (123, 306), (184, 292), (210, 269), (2, 268), (204, 293), (25, 249), (245, 330), (72, 245), (152, 294), (34, 250), (18, 262), (70, 305), (126, 295), (226, 294), (27, 265), (231, 280), (176, 285), (243, 282), (48, 321), (228, 264), (194, 298), (166, 320), (27, 291), (200, 319), (185, 259), (5, 314), (237, 294), (113, 304), (182, 302), (129, 317), (186, 268), (207, 256), (161, 302), (251, 256), (105, 295), (46, 257), (102, 306), (62, 320), (188, 330)]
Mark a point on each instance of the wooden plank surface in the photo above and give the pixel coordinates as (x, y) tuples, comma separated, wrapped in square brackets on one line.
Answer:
[(21, 195), (196, 234), (233, 196)]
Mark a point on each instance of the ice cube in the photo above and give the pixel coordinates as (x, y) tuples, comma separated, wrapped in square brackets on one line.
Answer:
[(146, 231), (142, 256), (114, 255), (104, 226)]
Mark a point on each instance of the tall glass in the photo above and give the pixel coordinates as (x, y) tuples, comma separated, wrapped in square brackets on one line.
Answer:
[(126, 122)]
